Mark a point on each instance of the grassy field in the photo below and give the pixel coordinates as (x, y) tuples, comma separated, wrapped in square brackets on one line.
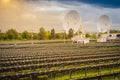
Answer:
[(60, 54)]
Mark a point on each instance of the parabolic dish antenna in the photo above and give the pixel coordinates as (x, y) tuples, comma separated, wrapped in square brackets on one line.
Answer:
[(72, 20), (103, 24)]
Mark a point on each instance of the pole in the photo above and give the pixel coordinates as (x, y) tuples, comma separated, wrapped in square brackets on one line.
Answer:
[(32, 37), (64, 36)]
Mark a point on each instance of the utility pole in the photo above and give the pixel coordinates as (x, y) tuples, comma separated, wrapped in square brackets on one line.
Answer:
[(64, 36), (31, 36)]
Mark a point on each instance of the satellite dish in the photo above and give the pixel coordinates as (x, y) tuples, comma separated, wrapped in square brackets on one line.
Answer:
[(72, 20), (103, 24)]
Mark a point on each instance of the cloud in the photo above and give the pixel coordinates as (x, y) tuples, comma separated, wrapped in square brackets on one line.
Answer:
[(90, 14), (103, 3), (51, 8), (33, 14)]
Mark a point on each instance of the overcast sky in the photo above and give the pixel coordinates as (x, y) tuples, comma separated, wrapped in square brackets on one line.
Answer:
[(32, 14)]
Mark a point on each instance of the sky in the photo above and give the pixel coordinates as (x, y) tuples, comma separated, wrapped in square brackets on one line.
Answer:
[(30, 15)]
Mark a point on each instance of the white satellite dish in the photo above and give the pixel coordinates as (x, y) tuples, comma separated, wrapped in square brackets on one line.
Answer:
[(72, 20), (103, 24)]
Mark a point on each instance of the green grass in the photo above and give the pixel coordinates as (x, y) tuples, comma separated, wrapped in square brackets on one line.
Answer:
[(26, 78), (36, 41), (25, 71), (78, 74), (69, 66), (61, 76), (43, 77), (75, 74), (111, 47), (108, 78), (54, 68), (92, 72), (40, 69), (8, 73)]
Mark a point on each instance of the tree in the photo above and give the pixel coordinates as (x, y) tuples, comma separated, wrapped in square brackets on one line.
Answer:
[(87, 35), (26, 35), (48, 34), (59, 35), (70, 33), (94, 36), (20, 36), (35, 36), (42, 34), (52, 34), (2, 36), (114, 31), (11, 34)]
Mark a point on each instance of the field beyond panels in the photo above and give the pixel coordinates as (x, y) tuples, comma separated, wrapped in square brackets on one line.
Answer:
[(58, 61)]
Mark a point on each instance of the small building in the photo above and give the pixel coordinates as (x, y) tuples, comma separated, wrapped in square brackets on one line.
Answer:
[(80, 39), (103, 38)]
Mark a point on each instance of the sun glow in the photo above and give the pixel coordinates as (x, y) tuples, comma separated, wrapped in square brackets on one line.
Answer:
[(6, 1)]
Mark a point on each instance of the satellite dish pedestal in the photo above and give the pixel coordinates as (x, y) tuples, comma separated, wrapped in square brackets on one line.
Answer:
[(80, 38)]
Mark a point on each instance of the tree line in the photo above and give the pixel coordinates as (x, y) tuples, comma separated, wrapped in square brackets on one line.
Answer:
[(12, 34)]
